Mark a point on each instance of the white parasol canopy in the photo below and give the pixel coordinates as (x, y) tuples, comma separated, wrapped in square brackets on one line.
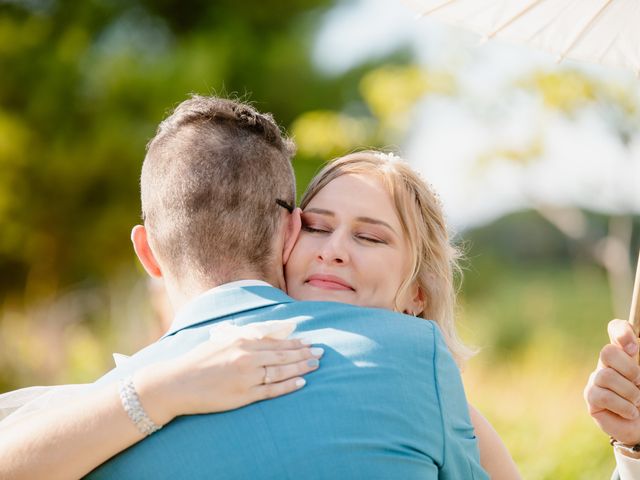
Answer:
[(600, 31)]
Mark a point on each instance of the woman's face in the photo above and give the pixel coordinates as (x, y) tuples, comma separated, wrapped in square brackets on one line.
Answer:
[(351, 248)]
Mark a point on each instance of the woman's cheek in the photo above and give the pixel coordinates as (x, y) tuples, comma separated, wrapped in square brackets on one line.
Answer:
[(306, 246), (294, 265)]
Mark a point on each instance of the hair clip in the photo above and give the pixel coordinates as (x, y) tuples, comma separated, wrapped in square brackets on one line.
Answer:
[(388, 157)]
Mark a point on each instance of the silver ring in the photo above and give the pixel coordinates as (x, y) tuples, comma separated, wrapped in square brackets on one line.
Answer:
[(266, 380)]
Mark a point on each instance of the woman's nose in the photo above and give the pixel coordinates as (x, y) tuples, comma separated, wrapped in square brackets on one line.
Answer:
[(334, 250)]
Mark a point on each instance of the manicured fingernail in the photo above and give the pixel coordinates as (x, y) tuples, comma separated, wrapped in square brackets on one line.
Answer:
[(631, 348), (300, 382), (317, 352), (313, 362)]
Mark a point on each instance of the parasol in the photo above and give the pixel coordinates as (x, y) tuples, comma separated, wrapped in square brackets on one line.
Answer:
[(600, 31)]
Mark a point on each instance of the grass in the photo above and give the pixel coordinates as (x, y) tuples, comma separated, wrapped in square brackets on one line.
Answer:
[(541, 328)]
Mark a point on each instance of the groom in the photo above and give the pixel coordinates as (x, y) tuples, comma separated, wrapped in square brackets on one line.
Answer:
[(217, 190)]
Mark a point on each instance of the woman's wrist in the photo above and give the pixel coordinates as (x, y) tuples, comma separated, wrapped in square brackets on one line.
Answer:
[(155, 390), (628, 450)]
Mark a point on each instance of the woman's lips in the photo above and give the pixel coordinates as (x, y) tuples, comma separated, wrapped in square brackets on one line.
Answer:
[(328, 282)]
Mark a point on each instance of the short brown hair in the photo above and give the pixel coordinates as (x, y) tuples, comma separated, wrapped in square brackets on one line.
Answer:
[(209, 186), (434, 257)]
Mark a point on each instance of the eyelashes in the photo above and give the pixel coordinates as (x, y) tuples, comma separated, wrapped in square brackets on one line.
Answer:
[(363, 238), (371, 239), (309, 229)]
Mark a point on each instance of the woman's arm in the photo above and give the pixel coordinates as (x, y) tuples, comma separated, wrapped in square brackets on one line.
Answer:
[(70, 440), (494, 456)]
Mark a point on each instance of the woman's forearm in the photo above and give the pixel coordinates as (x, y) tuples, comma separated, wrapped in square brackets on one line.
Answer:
[(67, 441), (494, 456)]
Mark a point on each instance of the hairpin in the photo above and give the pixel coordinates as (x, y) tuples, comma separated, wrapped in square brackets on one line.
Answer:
[(388, 157)]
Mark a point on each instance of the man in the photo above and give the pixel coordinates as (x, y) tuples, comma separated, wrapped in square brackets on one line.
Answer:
[(217, 186), (613, 397)]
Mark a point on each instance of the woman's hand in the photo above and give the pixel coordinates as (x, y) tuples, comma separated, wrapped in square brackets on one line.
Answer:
[(612, 393), (224, 374)]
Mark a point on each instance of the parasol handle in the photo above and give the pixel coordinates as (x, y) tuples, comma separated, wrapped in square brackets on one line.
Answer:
[(634, 313)]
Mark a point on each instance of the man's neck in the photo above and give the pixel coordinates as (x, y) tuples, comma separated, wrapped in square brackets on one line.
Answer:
[(179, 295)]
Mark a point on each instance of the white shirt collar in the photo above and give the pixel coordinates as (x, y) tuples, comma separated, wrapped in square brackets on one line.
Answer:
[(241, 283)]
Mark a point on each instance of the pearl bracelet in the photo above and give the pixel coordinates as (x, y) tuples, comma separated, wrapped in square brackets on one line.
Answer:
[(133, 407)]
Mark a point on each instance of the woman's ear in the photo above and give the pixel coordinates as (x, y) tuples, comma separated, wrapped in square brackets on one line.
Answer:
[(292, 233), (143, 250), (416, 302)]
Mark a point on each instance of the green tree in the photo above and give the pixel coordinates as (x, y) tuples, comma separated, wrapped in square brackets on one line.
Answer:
[(82, 88)]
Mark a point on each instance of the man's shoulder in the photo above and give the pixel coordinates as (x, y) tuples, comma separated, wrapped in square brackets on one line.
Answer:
[(345, 310), (331, 321), (395, 327), (349, 323)]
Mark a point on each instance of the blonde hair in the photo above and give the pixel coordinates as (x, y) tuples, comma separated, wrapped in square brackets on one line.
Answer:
[(434, 259)]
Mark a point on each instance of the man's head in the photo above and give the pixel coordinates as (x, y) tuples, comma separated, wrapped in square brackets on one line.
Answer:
[(209, 185)]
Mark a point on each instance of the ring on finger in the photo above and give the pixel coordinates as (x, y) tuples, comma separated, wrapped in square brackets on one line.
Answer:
[(266, 379)]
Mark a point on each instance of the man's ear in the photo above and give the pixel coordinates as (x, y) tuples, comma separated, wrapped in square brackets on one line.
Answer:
[(291, 235), (143, 251)]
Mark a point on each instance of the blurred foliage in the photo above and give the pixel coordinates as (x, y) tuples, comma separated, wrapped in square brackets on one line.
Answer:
[(540, 326), (563, 90), (327, 134), (384, 105), (570, 91), (391, 92), (537, 307), (522, 155), (84, 85)]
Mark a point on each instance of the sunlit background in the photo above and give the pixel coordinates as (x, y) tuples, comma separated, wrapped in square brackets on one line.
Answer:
[(537, 164)]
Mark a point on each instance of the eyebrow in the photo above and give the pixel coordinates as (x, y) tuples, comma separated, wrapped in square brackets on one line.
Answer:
[(373, 221)]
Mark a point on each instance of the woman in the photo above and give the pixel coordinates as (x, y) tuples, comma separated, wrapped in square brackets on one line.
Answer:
[(389, 240), (365, 237)]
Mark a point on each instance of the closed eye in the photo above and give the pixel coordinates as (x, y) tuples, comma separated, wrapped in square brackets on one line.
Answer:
[(369, 239), (309, 229)]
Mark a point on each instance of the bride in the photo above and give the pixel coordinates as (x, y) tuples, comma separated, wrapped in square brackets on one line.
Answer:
[(362, 238)]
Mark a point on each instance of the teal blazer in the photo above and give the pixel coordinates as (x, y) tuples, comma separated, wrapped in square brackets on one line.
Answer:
[(386, 403)]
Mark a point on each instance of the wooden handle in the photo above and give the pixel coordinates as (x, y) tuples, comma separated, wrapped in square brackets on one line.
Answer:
[(634, 313)]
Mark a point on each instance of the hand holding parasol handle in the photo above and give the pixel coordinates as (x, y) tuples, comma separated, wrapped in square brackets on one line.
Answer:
[(634, 313)]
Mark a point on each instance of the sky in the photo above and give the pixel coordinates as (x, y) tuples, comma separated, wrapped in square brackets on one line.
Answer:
[(583, 162)]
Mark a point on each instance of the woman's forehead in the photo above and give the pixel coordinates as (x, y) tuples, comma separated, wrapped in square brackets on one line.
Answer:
[(357, 195)]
